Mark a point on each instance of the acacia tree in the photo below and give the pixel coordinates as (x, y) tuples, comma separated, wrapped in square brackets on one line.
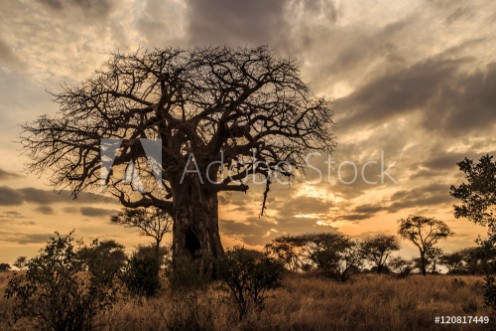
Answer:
[(378, 249), (424, 233), (478, 204), (213, 109), (151, 222)]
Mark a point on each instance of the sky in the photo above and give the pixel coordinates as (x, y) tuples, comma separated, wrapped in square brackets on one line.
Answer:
[(411, 84)]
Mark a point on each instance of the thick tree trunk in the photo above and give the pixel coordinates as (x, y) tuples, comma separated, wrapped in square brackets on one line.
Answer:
[(423, 263), (196, 229)]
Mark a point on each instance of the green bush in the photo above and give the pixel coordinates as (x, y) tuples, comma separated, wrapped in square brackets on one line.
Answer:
[(247, 276), (141, 275), (55, 293)]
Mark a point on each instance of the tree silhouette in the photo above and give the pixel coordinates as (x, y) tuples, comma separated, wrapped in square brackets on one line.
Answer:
[(478, 204), (424, 233), (378, 250), (214, 109), (151, 222)]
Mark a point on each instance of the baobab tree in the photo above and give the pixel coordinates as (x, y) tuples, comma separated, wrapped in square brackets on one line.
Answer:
[(424, 233), (210, 110)]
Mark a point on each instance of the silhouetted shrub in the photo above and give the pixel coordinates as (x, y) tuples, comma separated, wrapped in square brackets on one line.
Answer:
[(104, 260), (4, 267), (54, 291), (400, 267), (186, 275), (141, 275), (247, 276)]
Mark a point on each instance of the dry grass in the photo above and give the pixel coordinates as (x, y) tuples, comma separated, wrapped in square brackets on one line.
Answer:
[(367, 302)]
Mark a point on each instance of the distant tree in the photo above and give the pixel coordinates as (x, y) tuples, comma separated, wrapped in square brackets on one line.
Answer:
[(54, 291), (434, 257), (333, 253), (214, 109), (21, 262), (248, 275), (151, 222), (454, 263), (285, 251), (378, 249), (400, 266), (478, 204), (424, 233), (4, 267), (104, 260)]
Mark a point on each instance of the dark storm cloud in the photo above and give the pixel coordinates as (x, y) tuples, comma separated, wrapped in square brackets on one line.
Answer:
[(10, 197), (235, 21), (96, 212), (6, 175)]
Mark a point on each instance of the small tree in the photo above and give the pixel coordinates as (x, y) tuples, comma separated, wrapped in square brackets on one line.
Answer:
[(4, 267), (478, 204), (248, 276), (104, 260), (378, 249), (424, 233), (21, 262), (54, 291), (400, 266), (434, 257), (152, 222), (333, 253), (285, 251), (141, 275), (454, 263)]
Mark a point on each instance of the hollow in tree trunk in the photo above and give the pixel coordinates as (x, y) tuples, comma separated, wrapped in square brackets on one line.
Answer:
[(196, 229)]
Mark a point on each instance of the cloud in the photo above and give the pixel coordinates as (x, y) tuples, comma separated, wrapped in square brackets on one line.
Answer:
[(99, 8), (24, 238), (10, 197), (47, 210), (40, 196), (395, 93), (235, 21), (7, 56), (96, 212), (426, 195), (6, 175)]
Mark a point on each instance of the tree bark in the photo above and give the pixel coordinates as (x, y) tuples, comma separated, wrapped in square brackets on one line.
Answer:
[(423, 263), (196, 229)]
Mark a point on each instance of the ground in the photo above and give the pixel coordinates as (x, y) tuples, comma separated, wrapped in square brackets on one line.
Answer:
[(367, 302)]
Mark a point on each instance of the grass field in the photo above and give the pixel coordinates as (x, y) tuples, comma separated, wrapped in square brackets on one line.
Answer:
[(367, 302)]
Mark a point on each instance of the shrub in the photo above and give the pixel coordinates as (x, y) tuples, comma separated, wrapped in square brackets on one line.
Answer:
[(141, 275), (4, 267), (186, 275), (247, 276), (104, 260), (54, 291)]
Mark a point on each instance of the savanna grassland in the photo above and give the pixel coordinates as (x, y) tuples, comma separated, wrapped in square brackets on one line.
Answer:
[(366, 302)]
